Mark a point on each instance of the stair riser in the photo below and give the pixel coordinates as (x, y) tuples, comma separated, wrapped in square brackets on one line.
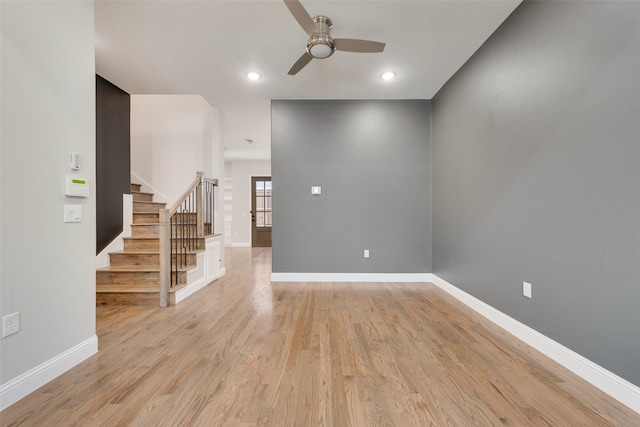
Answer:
[(132, 278), (145, 230), (142, 197), (149, 260), (153, 230), (147, 299), (135, 187), (135, 278), (147, 207), (131, 299), (146, 218), (150, 245), (133, 259), (153, 244)]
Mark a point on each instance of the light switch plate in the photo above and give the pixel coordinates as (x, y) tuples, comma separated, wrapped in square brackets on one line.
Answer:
[(526, 289), (72, 213)]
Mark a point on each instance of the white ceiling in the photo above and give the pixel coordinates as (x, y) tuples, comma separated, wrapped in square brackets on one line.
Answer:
[(205, 47)]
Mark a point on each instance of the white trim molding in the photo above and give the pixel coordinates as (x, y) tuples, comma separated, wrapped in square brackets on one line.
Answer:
[(351, 277), (19, 387), (157, 195), (615, 386)]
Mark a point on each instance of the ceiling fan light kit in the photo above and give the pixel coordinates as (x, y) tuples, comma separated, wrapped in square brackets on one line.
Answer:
[(320, 44)]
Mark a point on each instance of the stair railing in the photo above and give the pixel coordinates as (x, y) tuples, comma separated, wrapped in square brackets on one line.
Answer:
[(182, 230)]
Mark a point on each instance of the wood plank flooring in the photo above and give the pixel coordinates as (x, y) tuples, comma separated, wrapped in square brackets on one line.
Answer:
[(246, 352)]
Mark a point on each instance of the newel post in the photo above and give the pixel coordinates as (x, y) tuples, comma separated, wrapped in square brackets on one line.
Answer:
[(199, 210), (165, 257)]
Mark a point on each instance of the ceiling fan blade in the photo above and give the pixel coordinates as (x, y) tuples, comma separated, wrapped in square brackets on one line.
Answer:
[(302, 16), (355, 45), (300, 64)]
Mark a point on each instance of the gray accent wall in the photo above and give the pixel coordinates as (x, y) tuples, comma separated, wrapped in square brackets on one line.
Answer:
[(536, 176), (371, 159)]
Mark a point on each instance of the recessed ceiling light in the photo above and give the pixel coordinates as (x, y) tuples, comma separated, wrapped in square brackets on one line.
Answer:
[(389, 75), (252, 75)]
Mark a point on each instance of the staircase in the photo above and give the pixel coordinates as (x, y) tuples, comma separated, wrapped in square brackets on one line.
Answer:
[(133, 277)]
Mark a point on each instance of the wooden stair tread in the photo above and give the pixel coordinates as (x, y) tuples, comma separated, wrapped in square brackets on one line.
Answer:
[(140, 238), (136, 269), (128, 288), (131, 289), (144, 252), (135, 252)]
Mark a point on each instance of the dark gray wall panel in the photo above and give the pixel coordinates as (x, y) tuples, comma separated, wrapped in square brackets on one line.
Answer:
[(371, 159), (536, 176), (113, 159)]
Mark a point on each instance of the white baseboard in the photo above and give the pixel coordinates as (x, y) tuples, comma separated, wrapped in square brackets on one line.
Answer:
[(616, 387), (190, 289), (351, 277), (35, 378)]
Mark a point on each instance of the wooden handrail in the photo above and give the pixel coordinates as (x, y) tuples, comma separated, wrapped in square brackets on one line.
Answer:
[(184, 195)]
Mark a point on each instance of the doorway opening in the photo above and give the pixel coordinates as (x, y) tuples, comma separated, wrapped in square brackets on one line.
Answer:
[(261, 211)]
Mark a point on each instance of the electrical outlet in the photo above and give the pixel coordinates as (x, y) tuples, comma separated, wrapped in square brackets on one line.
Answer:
[(10, 324), (366, 253), (526, 289)]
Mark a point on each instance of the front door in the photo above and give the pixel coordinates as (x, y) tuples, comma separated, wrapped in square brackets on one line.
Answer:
[(261, 214)]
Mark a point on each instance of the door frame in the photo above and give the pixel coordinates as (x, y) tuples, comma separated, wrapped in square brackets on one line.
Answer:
[(255, 241)]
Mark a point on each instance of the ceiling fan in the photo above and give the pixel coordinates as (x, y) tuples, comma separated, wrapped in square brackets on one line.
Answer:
[(321, 45)]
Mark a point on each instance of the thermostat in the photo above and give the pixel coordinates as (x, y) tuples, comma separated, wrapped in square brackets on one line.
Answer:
[(74, 161), (76, 187)]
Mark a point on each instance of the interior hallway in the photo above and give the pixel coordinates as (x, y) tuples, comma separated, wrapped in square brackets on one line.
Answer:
[(246, 352)]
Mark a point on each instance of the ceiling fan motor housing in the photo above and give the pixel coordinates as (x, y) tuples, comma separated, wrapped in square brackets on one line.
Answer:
[(320, 44)]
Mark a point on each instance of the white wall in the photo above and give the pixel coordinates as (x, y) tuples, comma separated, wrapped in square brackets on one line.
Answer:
[(241, 173), (47, 271), (172, 137)]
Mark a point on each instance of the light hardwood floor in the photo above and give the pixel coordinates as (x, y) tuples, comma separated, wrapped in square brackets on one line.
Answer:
[(246, 352)]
